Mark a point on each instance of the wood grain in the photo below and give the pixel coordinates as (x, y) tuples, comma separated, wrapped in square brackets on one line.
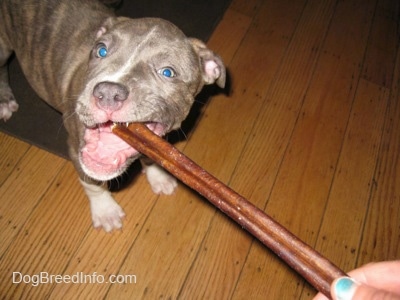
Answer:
[(309, 132), (12, 150)]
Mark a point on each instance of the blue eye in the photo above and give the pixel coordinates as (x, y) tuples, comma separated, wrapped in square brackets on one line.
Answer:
[(102, 51), (167, 72)]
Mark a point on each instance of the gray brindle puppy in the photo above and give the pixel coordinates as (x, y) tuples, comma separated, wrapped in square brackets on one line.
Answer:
[(98, 69)]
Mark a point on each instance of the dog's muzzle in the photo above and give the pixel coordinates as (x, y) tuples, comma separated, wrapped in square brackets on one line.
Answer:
[(104, 155)]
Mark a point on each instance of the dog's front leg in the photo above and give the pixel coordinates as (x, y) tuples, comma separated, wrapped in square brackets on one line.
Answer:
[(161, 182), (106, 212), (8, 105)]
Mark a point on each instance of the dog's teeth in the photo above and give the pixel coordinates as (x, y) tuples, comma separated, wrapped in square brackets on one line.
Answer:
[(126, 124)]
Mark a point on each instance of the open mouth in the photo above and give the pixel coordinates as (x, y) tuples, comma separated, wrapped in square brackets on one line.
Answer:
[(104, 155)]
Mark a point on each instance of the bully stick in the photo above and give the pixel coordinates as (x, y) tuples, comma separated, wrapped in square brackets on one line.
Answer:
[(315, 268)]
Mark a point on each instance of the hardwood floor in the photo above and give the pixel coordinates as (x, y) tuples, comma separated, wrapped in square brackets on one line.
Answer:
[(310, 132)]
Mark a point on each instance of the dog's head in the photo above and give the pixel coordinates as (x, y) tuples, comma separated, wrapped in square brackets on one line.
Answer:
[(140, 70)]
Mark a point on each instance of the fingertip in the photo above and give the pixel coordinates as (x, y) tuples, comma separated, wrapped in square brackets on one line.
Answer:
[(344, 288)]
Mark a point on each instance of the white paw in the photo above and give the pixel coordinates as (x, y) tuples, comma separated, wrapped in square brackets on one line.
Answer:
[(160, 181), (106, 213), (7, 109)]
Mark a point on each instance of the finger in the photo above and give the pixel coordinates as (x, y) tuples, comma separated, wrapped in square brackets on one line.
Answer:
[(320, 296), (346, 288), (383, 275)]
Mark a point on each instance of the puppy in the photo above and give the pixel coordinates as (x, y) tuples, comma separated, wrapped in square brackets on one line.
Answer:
[(98, 69)]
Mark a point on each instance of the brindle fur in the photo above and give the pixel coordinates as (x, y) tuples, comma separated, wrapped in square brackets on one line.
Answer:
[(55, 43)]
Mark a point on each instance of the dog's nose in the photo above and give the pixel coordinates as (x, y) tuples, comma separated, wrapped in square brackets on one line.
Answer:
[(110, 95)]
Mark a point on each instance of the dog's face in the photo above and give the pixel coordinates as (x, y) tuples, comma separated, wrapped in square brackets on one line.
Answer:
[(139, 71)]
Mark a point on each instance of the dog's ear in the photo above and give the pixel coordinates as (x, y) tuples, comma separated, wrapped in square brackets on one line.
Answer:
[(109, 23), (212, 66)]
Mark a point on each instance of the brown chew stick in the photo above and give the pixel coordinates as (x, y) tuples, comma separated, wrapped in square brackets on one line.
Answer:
[(315, 268)]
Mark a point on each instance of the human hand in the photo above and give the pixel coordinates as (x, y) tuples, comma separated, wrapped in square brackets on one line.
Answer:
[(372, 281)]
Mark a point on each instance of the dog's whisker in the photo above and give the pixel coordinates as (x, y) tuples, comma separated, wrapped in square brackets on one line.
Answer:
[(180, 130)]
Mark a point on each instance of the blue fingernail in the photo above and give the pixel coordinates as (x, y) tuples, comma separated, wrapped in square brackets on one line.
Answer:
[(345, 288)]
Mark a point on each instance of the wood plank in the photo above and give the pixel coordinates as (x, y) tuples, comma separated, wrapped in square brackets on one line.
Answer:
[(368, 137), (248, 8), (166, 270), (381, 233), (103, 253), (233, 27), (299, 193), (257, 169), (52, 231), (353, 189), (340, 233), (383, 42), (24, 189), (11, 152)]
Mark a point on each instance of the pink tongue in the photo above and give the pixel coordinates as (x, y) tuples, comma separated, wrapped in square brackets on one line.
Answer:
[(105, 148)]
